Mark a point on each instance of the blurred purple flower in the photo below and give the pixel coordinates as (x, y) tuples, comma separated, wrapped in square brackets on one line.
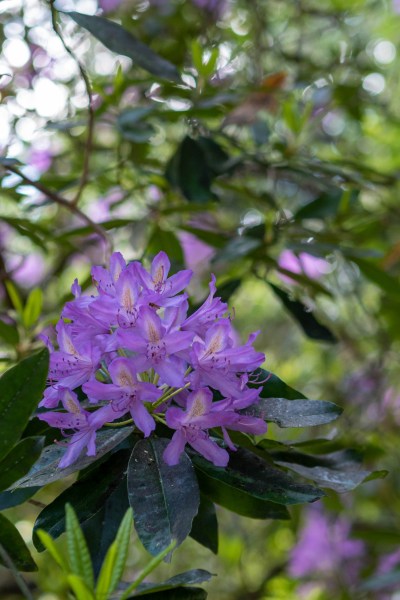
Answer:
[(215, 7), (40, 160), (325, 547), (31, 271), (109, 5), (302, 264), (197, 254), (396, 6)]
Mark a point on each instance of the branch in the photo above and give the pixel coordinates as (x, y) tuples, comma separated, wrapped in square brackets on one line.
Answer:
[(7, 560), (57, 199), (90, 121)]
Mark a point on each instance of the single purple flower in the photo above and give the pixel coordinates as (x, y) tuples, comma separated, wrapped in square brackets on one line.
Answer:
[(76, 419), (201, 413), (125, 394), (156, 348), (70, 366), (158, 282), (211, 310)]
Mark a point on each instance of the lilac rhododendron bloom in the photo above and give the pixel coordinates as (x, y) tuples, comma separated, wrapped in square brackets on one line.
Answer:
[(138, 358), (326, 548), (302, 264)]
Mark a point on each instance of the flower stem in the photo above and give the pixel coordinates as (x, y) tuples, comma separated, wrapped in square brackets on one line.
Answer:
[(120, 424)]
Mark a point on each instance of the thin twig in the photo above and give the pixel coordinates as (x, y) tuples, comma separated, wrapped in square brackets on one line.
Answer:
[(57, 199), (90, 120), (7, 560)]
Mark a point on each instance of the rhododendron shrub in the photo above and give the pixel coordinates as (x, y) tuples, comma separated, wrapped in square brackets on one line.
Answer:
[(161, 408)]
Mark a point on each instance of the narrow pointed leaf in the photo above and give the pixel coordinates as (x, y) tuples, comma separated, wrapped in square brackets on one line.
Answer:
[(115, 560), (78, 552), (48, 543), (79, 587), (119, 40), (164, 499), (33, 308), (295, 413), (15, 547), (21, 389)]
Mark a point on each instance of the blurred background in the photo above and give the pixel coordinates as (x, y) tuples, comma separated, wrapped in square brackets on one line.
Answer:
[(273, 162)]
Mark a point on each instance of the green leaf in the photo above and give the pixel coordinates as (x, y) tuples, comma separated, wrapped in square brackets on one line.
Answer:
[(188, 578), (115, 560), (205, 526), (9, 333), (189, 172), (12, 498), (340, 471), (381, 582), (132, 124), (119, 40), (164, 499), (33, 308), (307, 321), (21, 389), (87, 496), (46, 470), (48, 543), (19, 460), (252, 476), (273, 387), (326, 205), (79, 587), (14, 296), (15, 547), (296, 412), (375, 274), (181, 593), (78, 552), (101, 528), (238, 247)]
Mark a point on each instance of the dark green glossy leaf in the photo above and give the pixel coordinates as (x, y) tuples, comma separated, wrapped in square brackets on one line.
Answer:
[(46, 470), (307, 321), (19, 460), (326, 205), (188, 578), (9, 162), (21, 389), (205, 525), (121, 41), (295, 413), (273, 387), (189, 172), (164, 499), (100, 530), (16, 497), (14, 546), (251, 475), (87, 496)]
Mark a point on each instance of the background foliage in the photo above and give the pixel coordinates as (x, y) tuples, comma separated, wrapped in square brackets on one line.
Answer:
[(239, 132)]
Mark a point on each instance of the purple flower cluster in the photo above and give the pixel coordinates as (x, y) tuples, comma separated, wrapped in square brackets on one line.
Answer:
[(134, 352)]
